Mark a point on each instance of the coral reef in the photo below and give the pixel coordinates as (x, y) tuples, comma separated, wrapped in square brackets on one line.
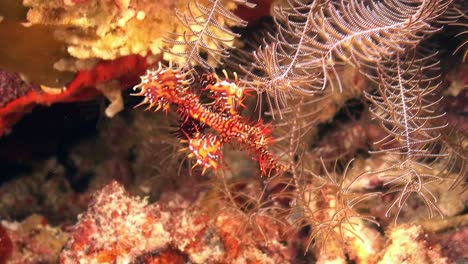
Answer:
[(46, 192), (116, 31), (106, 29), (118, 228), (293, 131), (112, 29)]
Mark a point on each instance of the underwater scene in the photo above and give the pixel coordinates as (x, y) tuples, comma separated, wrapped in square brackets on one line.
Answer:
[(233, 131)]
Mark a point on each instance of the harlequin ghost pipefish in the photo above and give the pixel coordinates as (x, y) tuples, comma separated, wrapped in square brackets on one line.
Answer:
[(170, 85)]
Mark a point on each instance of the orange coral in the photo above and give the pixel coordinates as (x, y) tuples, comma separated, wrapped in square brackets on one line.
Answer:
[(124, 69)]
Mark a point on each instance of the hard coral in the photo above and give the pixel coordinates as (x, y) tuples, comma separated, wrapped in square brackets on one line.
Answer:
[(103, 29), (110, 29), (107, 29), (408, 245), (118, 228)]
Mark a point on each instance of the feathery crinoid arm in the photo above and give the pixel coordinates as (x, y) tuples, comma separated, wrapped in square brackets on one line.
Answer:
[(207, 31), (462, 12), (278, 59), (406, 108), (315, 37)]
